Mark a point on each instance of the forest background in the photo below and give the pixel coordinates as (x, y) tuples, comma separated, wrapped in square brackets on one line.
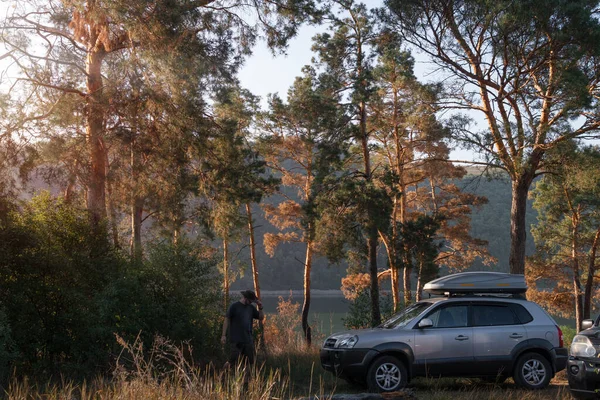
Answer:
[(171, 186)]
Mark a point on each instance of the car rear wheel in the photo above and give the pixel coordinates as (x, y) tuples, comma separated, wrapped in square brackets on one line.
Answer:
[(532, 371), (387, 374)]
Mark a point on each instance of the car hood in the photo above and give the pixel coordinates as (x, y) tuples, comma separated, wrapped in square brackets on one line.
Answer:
[(370, 338)]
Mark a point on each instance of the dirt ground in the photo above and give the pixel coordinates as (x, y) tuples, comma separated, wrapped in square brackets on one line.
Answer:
[(473, 389)]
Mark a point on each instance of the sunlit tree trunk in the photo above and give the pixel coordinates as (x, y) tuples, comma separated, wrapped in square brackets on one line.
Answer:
[(589, 284), (518, 234), (137, 209), (576, 274), (306, 305), (225, 275), (96, 197), (261, 338)]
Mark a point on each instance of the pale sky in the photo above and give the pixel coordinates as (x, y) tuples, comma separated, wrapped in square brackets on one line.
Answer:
[(264, 73)]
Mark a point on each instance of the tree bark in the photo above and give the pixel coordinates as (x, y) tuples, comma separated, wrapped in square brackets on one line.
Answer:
[(419, 293), (406, 283), (253, 250), (225, 275), (576, 273), (518, 234), (112, 213), (96, 197), (371, 228), (589, 284), (137, 209), (261, 330), (306, 305)]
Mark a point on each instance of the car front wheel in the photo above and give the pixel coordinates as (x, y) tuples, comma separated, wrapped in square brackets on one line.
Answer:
[(387, 374), (532, 371)]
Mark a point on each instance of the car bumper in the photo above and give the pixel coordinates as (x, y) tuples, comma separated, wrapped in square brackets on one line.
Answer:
[(584, 375), (353, 363), (560, 356)]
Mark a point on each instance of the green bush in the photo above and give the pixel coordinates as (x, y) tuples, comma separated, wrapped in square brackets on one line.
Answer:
[(8, 352), (568, 334), (359, 312), (53, 267), (174, 294), (66, 292)]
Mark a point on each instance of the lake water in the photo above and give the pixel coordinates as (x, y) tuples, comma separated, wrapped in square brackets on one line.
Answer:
[(326, 312)]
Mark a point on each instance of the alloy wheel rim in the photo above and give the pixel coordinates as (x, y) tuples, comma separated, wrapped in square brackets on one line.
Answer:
[(533, 372), (387, 376)]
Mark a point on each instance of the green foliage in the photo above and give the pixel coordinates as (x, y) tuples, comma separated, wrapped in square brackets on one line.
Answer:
[(174, 294), (568, 334), (53, 270), (66, 292), (359, 312), (8, 351), (419, 241)]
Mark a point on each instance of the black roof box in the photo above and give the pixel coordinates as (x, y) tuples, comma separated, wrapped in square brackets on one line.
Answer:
[(477, 282)]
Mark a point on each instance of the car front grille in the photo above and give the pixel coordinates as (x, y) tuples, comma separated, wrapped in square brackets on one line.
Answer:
[(330, 343)]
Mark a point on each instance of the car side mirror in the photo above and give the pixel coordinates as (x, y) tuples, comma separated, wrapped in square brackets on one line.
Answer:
[(425, 323), (587, 323)]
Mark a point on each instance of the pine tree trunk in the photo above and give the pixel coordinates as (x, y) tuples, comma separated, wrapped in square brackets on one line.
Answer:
[(137, 209), (393, 258), (419, 293), (261, 337), (96, 195), (112, 213), (407, 286), (589, 284), (518, 235), (253, 250), (371, 229), (225, 275), (306, 305), (576, 276)]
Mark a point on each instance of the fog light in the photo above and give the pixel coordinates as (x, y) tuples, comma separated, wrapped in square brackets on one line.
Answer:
[(574, 369)]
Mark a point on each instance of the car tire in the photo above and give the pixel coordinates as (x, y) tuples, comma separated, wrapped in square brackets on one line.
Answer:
[(387, 374), (532, 371)]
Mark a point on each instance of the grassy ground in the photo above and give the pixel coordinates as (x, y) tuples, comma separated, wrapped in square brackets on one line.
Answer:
[(288, 370), (279, 377)]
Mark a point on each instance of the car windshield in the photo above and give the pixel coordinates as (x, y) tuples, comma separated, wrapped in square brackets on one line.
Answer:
[(405, 316)]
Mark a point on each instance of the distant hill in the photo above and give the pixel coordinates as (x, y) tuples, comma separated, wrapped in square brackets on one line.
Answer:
[(491, 222), (285, 270)]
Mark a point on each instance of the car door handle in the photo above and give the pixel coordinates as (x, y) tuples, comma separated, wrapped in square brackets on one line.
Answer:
[(461, 337), (516, 336)]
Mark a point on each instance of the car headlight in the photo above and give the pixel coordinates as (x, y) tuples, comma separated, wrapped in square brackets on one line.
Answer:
[(582, 347), (347, 343)]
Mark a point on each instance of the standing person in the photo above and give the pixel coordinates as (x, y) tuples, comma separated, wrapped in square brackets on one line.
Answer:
[(238, 322)]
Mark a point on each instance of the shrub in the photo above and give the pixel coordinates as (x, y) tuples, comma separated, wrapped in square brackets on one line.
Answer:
[(359, 312), (174, 294), (8, 351), (53, 267), (282, 330)]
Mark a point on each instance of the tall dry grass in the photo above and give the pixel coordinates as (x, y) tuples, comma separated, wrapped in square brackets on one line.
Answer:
[(166, 372)]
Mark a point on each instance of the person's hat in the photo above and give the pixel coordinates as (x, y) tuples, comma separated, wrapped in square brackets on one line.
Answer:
[(249, 294)]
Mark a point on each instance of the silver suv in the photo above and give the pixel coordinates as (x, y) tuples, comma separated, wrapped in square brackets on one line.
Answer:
[(464, 333)]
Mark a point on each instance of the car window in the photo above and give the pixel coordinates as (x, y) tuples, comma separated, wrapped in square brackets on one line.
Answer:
[(493, 315), (522, 314), (405, 316), (451, 316)]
